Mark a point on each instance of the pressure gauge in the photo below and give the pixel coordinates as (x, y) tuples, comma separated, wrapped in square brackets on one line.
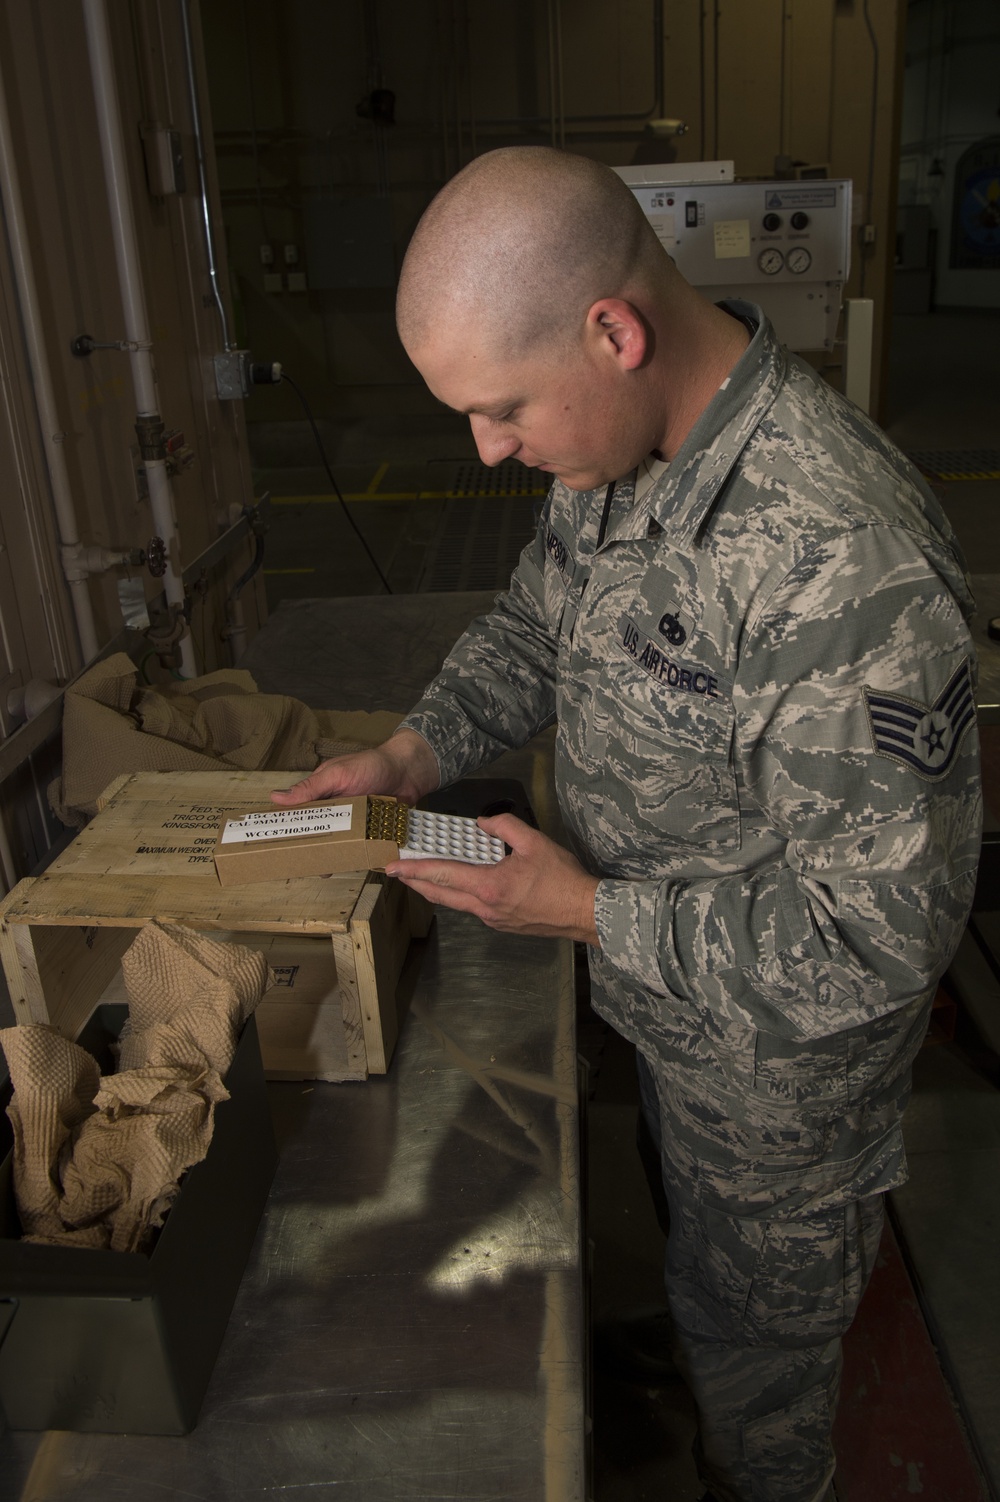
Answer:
[(770, 261), (799, 260)]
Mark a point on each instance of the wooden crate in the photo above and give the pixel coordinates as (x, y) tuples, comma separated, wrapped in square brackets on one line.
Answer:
[(337, 943)]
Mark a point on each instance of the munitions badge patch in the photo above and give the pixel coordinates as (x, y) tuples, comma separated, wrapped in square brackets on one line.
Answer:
[(924, 739), (671, 628)]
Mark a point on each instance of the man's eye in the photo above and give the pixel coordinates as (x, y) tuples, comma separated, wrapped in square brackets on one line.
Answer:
[(505, 417)]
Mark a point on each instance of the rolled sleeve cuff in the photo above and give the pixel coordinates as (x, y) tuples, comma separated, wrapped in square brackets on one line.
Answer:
[(625, 915), (451, 752)]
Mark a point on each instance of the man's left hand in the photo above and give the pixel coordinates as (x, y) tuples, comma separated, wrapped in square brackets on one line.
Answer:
[(539, 888)]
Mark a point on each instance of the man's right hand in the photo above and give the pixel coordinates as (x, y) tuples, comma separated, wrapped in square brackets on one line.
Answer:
[(404, 766)]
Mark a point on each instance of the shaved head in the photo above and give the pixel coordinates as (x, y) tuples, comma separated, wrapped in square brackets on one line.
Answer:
[(521, 243), (536, 299)]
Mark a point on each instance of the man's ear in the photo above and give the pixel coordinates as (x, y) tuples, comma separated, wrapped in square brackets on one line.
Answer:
[(618, 330)]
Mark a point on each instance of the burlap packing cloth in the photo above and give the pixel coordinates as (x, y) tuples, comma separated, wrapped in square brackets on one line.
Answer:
[(97, 1160), (113, 724)]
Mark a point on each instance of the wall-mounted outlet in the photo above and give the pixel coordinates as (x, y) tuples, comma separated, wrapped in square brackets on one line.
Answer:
[(164, 157)]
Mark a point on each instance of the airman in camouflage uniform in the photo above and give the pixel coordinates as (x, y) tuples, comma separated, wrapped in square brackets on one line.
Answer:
[(766, 748), (761, 674)]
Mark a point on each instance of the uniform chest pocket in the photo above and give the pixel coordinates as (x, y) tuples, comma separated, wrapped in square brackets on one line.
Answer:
[(670, 757)]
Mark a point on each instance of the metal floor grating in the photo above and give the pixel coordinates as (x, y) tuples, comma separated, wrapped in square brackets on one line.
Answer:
[(478, 542), (508, 478), (957, 464)]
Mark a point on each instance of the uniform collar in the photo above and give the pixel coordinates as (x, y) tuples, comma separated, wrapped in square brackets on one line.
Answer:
[(682, 497)]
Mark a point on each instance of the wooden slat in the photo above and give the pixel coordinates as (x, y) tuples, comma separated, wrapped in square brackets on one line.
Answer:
[(19, 964), (236, 788), (171, 830), (378, 1013), (381, 935), (154, 838), (350, 997), (305, 1042), (112, 790), (301, 1020), (58, 975), (320, 905)]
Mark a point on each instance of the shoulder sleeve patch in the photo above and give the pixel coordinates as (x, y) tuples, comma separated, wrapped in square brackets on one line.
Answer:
[(924, 738)]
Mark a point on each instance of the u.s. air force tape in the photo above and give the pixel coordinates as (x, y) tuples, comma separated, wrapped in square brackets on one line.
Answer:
[(925, 739), (684, 676)]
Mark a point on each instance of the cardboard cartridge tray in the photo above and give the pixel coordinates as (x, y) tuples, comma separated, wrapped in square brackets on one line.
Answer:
[(125, 1342), (344, 834), (315, 839)]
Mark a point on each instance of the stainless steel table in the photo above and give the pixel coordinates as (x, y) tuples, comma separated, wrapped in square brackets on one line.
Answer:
[(410, 1323)]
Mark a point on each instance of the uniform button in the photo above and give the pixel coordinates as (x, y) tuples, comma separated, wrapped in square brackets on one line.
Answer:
[(654, 529)]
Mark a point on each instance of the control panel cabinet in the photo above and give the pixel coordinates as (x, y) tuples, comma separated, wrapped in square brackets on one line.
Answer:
[(785, 245)]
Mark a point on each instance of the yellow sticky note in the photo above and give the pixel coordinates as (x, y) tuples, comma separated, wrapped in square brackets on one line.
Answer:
[(732, 238)]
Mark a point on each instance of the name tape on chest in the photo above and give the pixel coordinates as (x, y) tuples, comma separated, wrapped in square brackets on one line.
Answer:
[(924, 738), (558, 552), (666, 670)]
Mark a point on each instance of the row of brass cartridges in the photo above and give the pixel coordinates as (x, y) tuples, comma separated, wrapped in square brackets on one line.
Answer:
[(387, 820)]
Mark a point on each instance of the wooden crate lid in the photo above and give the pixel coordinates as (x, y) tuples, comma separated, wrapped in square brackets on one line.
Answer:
[(148, 854)]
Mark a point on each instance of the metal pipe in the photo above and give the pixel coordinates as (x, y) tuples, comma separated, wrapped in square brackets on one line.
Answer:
[(253, 122), (28, 738), (199, 144), (702, 90), (782, 89), (456, 79), (553, 134), (654, 110), (53, 435), (133, 300), (557, 12), (470, 91), (715, 81), (870, 191)]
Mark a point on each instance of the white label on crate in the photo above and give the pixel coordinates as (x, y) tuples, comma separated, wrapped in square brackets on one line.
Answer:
[(285, 823)]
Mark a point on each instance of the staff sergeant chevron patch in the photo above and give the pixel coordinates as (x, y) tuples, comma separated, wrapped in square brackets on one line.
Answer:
[(925, 740)]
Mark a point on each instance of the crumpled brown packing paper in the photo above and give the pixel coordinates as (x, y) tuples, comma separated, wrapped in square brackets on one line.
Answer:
[(97, 1162), (113, 724)]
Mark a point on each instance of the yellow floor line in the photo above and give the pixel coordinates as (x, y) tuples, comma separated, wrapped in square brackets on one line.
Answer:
[(979, 474), (377, 478)]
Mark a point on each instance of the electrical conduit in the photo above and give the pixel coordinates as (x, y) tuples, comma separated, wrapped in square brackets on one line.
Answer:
[(133, 302)]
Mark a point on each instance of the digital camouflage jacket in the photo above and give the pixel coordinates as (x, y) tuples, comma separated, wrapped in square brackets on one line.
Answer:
[(762, 678)]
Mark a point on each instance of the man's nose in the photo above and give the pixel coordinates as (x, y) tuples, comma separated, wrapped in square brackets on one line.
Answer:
[(493, 443)]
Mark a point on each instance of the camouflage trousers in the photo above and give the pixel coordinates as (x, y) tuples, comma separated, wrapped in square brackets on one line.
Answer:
[(759, 1302)]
